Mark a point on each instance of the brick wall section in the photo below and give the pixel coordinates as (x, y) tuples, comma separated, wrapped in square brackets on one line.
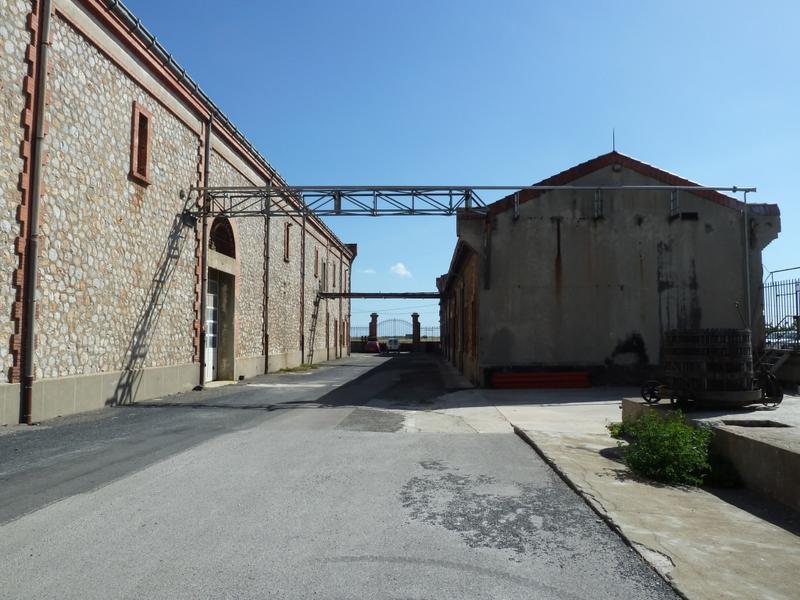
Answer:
[(17, 50), (250, 257), (117, 266)]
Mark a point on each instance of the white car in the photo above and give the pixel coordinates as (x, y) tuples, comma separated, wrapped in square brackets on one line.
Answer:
[(393, 345)]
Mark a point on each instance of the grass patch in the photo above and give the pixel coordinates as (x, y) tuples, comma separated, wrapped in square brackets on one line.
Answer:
[(665, 449), (299, 368)]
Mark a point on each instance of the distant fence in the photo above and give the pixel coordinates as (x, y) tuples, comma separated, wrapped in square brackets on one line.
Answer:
[(358, 332), (782, 305), (431, 332), (399, 328)]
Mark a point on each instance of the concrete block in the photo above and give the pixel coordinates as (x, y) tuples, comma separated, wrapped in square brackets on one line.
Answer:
[(287, 360), (178, 378), (249, 367), (150, 384), (276, 362), (89, 393), (766, 466), (181, 379), (37, 401), (109, 385), (58, 397), (9, 404)]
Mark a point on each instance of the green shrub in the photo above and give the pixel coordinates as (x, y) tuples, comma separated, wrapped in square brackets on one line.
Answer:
[(666, 449), (616, 430)]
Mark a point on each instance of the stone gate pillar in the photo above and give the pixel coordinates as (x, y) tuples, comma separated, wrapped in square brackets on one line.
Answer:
[(415, 328), (373, 326)]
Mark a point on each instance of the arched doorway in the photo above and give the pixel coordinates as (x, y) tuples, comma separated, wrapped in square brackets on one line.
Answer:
[(220, 301)]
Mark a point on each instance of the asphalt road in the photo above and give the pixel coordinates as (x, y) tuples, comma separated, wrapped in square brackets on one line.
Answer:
[(296, 486)]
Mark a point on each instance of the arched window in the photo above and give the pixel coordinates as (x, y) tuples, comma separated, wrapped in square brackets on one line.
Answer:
[(221, 239)]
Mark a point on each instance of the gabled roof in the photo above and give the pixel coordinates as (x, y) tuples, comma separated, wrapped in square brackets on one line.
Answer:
[(612, 158)]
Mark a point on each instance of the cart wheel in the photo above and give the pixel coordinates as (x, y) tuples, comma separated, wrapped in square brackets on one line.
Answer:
[(771, 390), (650, 391)]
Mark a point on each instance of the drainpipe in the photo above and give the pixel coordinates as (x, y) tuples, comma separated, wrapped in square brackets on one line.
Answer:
[(303, 287), (204, 251), (266, 274), (748, 300), (32, 243)]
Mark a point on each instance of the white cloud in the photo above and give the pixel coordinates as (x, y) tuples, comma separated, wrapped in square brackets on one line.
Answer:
[(400, 270), (369, 271)]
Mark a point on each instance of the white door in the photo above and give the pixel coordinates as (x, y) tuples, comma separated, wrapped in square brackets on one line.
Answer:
[(212, 331)]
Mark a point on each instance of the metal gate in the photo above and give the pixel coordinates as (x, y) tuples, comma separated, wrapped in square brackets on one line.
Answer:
[(782, 313)]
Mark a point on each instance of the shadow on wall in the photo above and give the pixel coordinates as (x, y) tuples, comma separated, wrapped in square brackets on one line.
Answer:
[(147, 320)]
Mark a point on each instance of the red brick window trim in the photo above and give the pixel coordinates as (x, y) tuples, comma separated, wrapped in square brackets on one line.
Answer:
[(141, 133), (286, 227)]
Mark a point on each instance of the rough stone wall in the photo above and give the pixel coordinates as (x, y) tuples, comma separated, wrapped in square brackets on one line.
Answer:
[(284, 287), (313, 285), (117, 265), (14, 38), (117, 270), (250, 255), (337, 311)]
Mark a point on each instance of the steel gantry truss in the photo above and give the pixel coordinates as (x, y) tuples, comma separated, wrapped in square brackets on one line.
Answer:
[(326, 201), (378, 201)]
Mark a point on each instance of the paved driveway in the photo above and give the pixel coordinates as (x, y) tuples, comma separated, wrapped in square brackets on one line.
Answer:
[(298, 486)]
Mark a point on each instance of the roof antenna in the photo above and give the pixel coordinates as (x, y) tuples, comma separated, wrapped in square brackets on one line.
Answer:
[(613, 140)]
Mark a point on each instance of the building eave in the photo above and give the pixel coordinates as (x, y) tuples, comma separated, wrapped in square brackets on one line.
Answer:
[(616, 158)]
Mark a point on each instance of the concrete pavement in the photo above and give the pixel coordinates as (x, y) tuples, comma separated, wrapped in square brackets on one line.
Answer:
[(308, 493), (710, 543)]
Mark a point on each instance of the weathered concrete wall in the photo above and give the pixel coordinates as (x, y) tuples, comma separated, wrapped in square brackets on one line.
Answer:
[(568, 289), (459, 310), (14, 39)]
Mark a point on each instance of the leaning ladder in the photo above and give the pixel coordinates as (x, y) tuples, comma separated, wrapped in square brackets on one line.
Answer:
[(313, 331)]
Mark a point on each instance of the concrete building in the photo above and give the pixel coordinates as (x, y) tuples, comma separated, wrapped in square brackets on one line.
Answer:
[(100, 131), (590, 279)]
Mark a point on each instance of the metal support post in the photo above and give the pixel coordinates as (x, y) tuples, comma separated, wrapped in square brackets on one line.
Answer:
[(748, 301), (205, 206)]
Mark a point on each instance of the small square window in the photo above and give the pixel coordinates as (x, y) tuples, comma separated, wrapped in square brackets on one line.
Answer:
[(316, 262), (141, 125)]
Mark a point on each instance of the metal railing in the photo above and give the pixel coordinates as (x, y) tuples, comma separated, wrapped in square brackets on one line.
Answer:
[(782, 313), (395, 328)]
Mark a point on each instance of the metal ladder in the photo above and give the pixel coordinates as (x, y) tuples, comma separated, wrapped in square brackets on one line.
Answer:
[(312, 333)]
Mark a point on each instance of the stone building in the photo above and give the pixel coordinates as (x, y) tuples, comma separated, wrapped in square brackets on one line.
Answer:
[(100, 131), (590, 279)]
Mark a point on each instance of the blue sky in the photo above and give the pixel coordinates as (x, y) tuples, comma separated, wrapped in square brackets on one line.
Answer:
[(503, 92)]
